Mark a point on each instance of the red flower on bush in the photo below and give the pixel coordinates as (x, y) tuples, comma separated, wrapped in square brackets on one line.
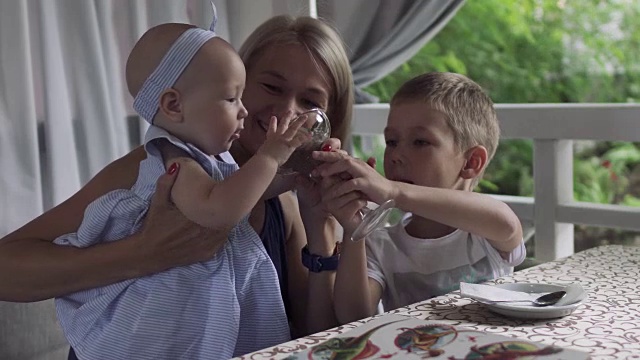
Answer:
[(607, 164)]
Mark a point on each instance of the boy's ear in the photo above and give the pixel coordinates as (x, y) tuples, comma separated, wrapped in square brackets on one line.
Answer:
[(171, 105), (476, 159)]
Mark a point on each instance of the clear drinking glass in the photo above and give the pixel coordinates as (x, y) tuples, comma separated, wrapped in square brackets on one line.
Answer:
[(301, 161), (372, 219)]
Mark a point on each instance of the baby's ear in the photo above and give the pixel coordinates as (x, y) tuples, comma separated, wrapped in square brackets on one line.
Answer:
[(171, 105), (475, 161)]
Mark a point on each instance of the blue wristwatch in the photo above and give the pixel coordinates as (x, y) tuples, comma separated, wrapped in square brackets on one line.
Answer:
[(317, 263)]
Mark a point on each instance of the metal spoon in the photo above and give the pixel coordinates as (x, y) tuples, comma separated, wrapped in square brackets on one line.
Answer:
[(544, 300)]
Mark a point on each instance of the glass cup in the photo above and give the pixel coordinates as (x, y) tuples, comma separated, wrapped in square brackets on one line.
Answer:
[(372, 220), (301, 161)]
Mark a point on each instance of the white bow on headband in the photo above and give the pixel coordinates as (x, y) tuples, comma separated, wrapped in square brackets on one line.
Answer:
[(147, 101)]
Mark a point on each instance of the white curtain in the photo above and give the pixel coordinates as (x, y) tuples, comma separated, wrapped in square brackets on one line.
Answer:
[(65, 111), (386, 33), (64, 107), (63, 104), (63, 116)]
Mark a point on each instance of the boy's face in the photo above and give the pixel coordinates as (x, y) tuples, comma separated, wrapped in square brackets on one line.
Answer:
[(420, 147), (213, 109)]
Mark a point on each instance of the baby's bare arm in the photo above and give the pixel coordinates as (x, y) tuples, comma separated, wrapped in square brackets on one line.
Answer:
[(220, 204), (202, 199), (223, 204)]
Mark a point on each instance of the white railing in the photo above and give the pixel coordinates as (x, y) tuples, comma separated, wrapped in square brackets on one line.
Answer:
[(552, 127)]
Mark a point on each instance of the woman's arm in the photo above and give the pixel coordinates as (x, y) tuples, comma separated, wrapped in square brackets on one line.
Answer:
[(356, 294), (321, 238), (32, 268), (297, 274), (311, 294)]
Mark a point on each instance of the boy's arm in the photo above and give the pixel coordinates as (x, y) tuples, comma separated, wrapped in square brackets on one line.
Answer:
[(476, 213)]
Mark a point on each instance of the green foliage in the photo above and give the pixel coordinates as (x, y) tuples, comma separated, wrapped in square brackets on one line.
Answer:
[(602, 173), (595, 182), (542, 51), (533, 51), (545, 51), (510, 171), (376, 151)]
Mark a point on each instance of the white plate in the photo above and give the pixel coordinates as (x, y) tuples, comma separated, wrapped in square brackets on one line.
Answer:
[(530, 311)]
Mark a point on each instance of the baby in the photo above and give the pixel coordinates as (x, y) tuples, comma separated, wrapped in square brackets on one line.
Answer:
[(187, 84)]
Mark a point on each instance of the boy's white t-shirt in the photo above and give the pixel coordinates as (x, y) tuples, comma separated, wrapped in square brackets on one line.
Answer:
[(412, 269)]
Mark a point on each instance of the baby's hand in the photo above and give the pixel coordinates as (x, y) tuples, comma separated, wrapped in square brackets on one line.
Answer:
[(283, 137)]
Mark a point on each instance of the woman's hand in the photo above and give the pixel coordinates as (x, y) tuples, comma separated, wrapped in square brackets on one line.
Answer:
[(168, 238), (345, 207), (319, 225), (309, 188), (170, 152)]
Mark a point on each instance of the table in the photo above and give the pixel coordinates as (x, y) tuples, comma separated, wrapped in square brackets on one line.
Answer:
[(607, 324)]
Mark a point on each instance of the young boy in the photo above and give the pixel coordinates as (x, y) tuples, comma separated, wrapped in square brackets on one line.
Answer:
[(441, 133), (187, 84)]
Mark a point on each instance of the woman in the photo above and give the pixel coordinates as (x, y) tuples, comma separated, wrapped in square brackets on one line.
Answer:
[(292, 65)]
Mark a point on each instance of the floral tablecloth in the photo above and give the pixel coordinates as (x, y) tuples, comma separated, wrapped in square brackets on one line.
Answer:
[(606, 325)]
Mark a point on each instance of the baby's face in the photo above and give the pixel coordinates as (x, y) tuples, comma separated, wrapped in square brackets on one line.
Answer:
[(211, 99), (420, 147)]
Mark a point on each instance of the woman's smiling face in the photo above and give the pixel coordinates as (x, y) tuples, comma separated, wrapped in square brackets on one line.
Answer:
[(282, 78)]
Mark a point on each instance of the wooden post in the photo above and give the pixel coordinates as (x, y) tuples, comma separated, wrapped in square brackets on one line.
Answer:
[(553, 186)]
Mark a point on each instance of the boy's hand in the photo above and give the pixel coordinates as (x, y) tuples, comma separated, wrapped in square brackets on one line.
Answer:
[(283, 137), (358, 176)]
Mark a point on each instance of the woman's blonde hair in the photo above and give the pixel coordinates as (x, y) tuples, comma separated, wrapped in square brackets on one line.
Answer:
[(326, 48)]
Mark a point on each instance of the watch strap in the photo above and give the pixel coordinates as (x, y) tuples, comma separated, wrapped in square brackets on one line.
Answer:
[(317, 263)]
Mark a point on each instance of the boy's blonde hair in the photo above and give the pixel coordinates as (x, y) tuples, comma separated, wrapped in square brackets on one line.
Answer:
[(325, 47), (469, 110)]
